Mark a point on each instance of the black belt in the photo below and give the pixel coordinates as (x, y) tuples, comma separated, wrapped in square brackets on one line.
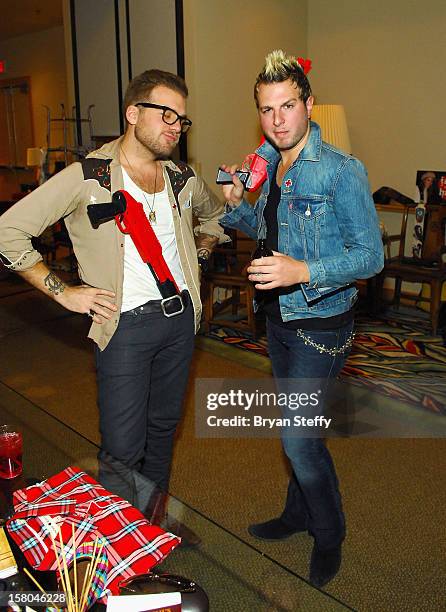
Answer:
[(169, 307)]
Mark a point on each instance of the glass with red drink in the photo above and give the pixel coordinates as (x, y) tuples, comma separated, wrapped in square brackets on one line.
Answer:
[(10, 452)]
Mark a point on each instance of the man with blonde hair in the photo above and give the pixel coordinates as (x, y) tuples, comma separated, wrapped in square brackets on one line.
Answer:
[(318, 217)]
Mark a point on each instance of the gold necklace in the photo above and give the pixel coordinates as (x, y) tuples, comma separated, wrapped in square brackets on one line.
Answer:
[(152, 213)]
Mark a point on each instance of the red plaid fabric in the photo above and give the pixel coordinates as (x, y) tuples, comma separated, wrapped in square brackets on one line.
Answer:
[(132, 544)]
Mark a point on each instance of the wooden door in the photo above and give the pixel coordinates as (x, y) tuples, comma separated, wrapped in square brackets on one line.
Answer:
[(16, 126)]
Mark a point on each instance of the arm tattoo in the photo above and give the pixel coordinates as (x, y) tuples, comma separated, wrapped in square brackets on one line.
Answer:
[(54, 284), (203, 253), (203, 259)]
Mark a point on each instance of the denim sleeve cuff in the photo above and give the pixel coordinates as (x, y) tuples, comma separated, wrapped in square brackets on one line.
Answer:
[(317, 273), (235, 213), (311, 294), (242, 218), (317, 276)]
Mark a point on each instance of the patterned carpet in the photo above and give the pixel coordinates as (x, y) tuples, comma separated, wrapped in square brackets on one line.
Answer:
[(394, 355)]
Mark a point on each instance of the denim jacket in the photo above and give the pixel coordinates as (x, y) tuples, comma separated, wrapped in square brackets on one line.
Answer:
[(327, 218)]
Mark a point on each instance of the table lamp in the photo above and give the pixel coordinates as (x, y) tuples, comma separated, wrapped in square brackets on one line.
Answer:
[(333, 124)]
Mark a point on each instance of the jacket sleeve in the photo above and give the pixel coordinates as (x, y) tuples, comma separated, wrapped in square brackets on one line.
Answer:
[(207, 210), (358, 224), (31, 215), (243, 217)]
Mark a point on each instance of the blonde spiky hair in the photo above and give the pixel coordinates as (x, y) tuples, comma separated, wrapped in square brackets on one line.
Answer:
[(277, 63), (280, 67)]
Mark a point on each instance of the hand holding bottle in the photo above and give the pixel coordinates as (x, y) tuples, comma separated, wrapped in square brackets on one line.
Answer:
[(262, 250), (269, 272)]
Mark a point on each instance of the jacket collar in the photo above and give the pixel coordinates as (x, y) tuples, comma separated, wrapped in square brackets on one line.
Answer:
[(310, 152), (110, 150)]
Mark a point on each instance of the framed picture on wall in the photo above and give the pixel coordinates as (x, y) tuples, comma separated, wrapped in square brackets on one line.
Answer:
[(431, 186)]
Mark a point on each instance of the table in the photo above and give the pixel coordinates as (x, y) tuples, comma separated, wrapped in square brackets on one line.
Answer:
[(234, 574)]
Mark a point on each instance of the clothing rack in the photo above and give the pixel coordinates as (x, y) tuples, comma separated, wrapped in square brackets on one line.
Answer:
[(76, 150)]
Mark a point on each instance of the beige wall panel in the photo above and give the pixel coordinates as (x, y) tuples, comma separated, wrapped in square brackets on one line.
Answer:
[(153, 35), (383, 61), (96, 50), (225, 45)]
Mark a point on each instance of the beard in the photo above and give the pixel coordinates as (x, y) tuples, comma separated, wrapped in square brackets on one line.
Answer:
[(287, 146), (159, 151)]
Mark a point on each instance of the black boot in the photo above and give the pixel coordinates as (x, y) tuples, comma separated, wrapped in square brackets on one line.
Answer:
[(275, 529), (324, 565), (292, 520)]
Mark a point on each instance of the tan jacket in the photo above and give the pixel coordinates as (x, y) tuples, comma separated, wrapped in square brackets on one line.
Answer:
[(100, 252)]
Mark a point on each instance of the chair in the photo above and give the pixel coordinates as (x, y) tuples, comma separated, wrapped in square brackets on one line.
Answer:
[(228, 272), (430, 268)]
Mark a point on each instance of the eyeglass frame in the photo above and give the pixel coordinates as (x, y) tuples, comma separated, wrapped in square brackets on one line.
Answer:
[(184, 121)]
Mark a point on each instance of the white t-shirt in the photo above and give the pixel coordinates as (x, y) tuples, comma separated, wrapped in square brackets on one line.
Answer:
[(139, 285)]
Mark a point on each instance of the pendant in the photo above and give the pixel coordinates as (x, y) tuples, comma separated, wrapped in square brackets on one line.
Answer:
[(152, 216)]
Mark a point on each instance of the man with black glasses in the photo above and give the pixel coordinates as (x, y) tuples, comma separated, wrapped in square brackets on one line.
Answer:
[(144, 343)]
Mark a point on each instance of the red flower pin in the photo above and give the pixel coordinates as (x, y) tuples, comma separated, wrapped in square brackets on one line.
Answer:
[(305, 64)]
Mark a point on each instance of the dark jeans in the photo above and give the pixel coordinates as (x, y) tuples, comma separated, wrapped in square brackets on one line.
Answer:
[(142, 376), (313, 500)]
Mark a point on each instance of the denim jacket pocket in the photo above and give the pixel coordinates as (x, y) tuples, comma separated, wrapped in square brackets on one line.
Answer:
[(307, 218)]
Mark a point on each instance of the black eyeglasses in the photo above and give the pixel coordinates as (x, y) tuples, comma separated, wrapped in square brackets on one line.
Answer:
[(169, 115)]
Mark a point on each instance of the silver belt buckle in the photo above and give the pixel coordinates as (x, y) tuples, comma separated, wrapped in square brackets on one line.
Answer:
[(167, 301)]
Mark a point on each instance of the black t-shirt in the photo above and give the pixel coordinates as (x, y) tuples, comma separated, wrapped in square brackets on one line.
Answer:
[(270, 299)]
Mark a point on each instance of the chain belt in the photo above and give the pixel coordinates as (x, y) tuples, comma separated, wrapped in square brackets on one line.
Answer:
[(321, 348)]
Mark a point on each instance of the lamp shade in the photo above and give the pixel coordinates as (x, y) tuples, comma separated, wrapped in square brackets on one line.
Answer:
[(333, 124)]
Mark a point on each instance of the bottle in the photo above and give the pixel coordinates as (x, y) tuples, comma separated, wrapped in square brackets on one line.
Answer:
[(261, 251)]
